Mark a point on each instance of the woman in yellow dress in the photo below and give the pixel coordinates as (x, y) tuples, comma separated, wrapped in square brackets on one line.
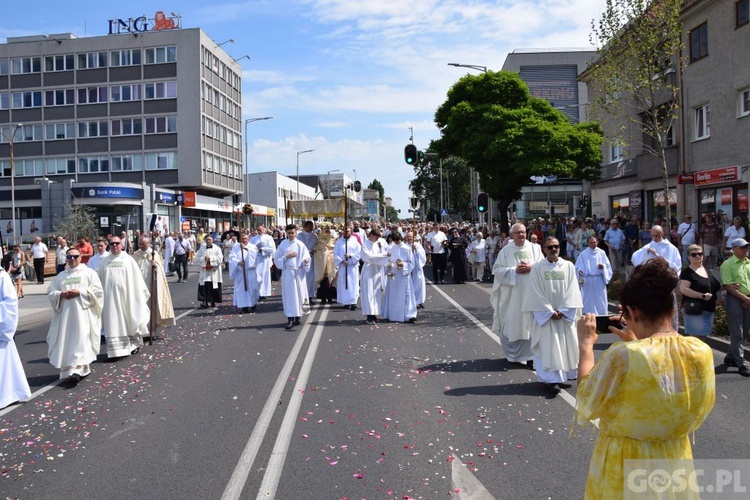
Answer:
[(650, 391)]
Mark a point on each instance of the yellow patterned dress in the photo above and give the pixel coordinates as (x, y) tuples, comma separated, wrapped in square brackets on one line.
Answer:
[(649, 395)]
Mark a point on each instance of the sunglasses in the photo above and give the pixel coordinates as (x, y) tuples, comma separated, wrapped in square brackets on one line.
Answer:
[(700, 254), (115, 243), (71, 257), (552, 247)]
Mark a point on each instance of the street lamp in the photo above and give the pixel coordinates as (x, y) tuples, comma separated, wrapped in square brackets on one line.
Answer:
[(300, 153), (231, 40), (483, 69), (12, 176), (247, 165)]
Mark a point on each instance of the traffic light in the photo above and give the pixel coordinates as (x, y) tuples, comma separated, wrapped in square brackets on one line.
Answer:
[(357, 186), (411, 155), (584, 201), (483, 202)]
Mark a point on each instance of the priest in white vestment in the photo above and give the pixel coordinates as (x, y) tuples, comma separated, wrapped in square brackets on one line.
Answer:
[(73, 338), (209, 258), (151, 262), (594, 272), (242, 269), (346, 255), (13, 384), (399, 303), (661, 248), (266, 251), (418, 282), (125, 311), (293, 259), (100, 251), (511, 271), (168, 254), (309, 238), (554, 298), (375, 257)]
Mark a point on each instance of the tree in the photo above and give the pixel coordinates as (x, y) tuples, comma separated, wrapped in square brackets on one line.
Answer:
[(640, 41), (79, 221), (456, 185), (391, 214), (492, 121), (375, 184)]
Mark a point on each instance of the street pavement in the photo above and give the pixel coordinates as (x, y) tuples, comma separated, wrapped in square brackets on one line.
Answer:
[(229, 405)]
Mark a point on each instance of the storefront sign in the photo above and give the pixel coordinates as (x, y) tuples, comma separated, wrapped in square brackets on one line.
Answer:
[(726, 196), (166, 198), (108, 192), (186, 199), (103, 221), (142, 24), (719, 175), (742, 201), (686, 179)]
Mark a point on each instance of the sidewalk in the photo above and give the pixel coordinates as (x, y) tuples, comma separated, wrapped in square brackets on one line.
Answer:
[(34, 307)]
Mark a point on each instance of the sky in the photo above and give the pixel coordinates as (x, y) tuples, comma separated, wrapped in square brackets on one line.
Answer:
[(346, 78)]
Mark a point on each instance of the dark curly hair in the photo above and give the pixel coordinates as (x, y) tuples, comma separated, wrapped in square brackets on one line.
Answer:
[(650, 290)]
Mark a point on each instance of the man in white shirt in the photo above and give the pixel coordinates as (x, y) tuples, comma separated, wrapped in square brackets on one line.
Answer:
[(732, 233), (39, 253), (687, 235), (437, 242), (182, 250), (60, 255)]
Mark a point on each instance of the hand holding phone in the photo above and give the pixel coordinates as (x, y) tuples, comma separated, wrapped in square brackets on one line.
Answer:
[(604, 322)]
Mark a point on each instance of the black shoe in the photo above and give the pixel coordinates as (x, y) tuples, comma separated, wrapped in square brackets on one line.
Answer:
[(252, 309), (412, 320), (290, 324), (420, 306), (730, 362), (75, 378), (262, 299), (213, 304), (353, 307), (554, 388), (744, 371), (204, 306), (330, 301), (442, 282), (371, 320), (245, 310), (297, 321), (135, 351), (530, 365)]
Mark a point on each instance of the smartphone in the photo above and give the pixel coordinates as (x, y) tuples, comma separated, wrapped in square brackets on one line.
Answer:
[(604, 322)]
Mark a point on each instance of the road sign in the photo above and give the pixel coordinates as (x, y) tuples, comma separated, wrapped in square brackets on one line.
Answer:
[(183, 218), (444, 212)]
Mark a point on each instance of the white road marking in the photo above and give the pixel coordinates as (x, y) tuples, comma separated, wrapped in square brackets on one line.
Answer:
[(280, 449), (469, 487), (34, 395), (237, 482)]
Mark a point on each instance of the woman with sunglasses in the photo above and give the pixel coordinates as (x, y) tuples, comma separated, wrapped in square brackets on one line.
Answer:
[(699, 286)]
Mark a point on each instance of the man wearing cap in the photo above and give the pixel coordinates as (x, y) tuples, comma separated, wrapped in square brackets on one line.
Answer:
[(735, 275)]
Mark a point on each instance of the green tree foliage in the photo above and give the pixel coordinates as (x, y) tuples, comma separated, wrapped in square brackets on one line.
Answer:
[(79, 221), (391, 214), (507, 136), (633, 79), (456, 186), (375, 184)]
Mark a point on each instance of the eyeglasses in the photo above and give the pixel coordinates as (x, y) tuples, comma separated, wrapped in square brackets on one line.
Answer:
[(700, 254), (71, 257), (552, 247), (115, 243)]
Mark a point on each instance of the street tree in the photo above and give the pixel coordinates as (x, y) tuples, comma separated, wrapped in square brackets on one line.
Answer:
[(456, 186), (79, 220), (375, 184), (507, 136), (633, 78)]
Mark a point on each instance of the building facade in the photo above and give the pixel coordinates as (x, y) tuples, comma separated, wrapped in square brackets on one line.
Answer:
[(131, 124)]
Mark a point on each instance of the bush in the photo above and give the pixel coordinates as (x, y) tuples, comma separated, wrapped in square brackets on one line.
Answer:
[(721, 328), (615, 287)]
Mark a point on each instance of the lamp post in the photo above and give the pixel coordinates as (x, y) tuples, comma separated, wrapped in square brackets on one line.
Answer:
[(12, 176), (483, 69), (247, 165), (300, 153), (231, 40)]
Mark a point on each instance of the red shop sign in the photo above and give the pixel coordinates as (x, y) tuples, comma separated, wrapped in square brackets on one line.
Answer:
[(719, 175)]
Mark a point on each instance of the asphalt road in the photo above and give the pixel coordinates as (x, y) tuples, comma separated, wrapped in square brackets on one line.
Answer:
[(229, 405)]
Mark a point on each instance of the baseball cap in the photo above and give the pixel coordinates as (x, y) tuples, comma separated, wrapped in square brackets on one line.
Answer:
[(740, 242)]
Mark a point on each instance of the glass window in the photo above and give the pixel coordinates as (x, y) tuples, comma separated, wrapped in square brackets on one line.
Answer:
[(742, 13), (3, 66), (702, 125), (699, 42), (744, 102)]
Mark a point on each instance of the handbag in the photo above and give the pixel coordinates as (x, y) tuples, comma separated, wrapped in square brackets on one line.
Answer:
[(692, 307)]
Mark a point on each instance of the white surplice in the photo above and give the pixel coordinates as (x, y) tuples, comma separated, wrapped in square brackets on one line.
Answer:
[(593, 281), (663, 249), (246, 282), (512, 325), (553, 287), (13, 384), (73, 338), (168, 253), (293, 277), (266, 251), (309, 240), (399, 303), (375, 257), (347, 281), (164, 307), (125, 309), (418, 283), (214, 255)]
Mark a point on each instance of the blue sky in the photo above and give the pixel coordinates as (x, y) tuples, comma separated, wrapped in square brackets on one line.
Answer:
[(345, 78)]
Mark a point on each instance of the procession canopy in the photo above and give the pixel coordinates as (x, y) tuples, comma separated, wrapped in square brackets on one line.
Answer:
[(311, 208)]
